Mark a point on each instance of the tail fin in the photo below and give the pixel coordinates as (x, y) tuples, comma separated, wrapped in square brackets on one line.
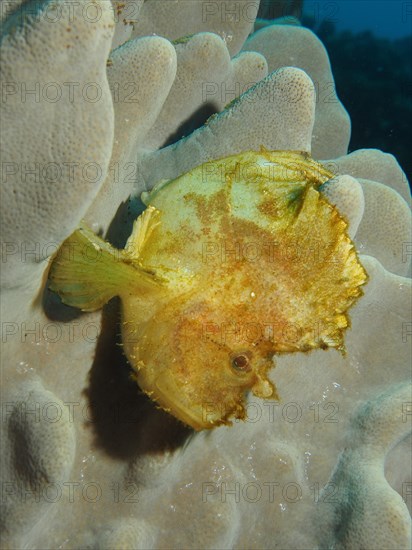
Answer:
[(87, 272)]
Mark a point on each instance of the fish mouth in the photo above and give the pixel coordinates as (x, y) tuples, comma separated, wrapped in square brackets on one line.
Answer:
[(197, 415), (164, 391)]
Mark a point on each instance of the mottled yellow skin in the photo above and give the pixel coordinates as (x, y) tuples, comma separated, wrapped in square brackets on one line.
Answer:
[(250, 260)]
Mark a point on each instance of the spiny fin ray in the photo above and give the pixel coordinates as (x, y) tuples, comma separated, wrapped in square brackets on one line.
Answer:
[(142, 230)]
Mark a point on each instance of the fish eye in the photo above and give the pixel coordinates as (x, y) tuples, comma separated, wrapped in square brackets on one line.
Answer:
[(241, 363)]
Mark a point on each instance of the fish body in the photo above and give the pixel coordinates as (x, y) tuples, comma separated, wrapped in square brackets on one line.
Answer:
[(231, 264)]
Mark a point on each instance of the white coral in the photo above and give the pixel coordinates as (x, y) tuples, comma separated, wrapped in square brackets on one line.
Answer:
[(303, 473)]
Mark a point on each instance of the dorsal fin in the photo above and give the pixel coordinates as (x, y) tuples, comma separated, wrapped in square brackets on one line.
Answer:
[(142, 229)]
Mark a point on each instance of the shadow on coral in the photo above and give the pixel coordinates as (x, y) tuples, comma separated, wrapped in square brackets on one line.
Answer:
[(54, 308), (122, 224), (125, 421), (192, 123)]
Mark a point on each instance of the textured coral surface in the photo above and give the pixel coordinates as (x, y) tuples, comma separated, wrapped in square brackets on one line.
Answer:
[(87, 460)]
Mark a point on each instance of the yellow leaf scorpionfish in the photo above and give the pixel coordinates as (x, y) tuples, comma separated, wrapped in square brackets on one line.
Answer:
[(231, 264)]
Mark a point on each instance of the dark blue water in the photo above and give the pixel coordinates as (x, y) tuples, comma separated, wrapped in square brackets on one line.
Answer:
[(370, 47), (385, 18)]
